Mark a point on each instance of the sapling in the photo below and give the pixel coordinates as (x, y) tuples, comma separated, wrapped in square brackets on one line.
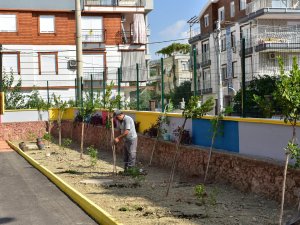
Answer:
[(191, 110), (109, 103), (93, 153), (162, 119), (216, 128), (66, 143), (61, 106), (288, 93)]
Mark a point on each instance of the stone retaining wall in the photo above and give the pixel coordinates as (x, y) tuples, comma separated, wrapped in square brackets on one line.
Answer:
[(247, 174), (22, 130)]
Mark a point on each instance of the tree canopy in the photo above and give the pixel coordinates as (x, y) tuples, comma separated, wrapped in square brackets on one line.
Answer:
[(175, 48)]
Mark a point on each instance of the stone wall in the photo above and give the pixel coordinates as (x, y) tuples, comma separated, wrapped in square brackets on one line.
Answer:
[(22, 130), (245, 173)]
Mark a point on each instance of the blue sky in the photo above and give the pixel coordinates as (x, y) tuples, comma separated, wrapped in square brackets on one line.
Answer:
[(168, 21)]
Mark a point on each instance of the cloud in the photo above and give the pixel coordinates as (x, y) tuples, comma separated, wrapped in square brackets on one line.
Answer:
[(176, 30)]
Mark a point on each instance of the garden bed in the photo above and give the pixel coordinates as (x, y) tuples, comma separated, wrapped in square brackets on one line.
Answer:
[(142, 199)]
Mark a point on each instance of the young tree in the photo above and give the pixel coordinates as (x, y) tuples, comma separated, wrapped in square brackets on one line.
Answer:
[(110, 103), (192, 110), (35, 101), (14, 99), (288, 94), (61, 106)]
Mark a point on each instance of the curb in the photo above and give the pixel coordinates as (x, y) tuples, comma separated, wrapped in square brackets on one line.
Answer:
[(93, 210)]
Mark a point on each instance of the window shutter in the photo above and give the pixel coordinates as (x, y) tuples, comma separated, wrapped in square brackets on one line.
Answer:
[(8, 23), (48, 64), (47, 24), (10, 63)]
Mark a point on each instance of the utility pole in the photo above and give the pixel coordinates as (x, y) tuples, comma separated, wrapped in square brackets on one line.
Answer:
[(78, 47), (220, 95), (137, 88), (195, 71)]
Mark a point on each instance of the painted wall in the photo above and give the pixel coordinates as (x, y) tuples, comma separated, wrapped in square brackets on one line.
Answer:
[(13, 116), (227, 138), (264, 140)]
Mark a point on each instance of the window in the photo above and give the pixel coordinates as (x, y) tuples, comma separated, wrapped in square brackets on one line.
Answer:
[(232, 9), (206, 79), (223, 43), (233, 39), (185, 65), (92, 29), (221, 14), (47, 24), (93, 64), (248, 68), (243, 4), (224, 72), (234, 70), (48, 63), (246, 33), (206, 20), (10, 63), (8, 23), (205, 51)]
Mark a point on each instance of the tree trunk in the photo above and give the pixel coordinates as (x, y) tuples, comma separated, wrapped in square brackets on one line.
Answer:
[(82, 139), (284, 177), (113, 145), (154, 147), (175, 157), (210, 150)]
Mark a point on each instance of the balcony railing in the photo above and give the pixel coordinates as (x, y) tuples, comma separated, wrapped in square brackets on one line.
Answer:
[(115, 3), (93, 35), (96, 73), (276, 4), (205, 59)]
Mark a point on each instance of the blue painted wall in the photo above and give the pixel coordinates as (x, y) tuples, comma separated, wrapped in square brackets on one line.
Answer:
[(228, 140)]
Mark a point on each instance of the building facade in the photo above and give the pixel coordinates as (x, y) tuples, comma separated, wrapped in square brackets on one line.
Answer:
[(176, 71), (270, 29), (38, 39)]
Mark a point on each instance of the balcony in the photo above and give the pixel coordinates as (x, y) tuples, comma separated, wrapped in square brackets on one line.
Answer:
[(205, 59), (136, 3), (278, 38), (283, 5), (207, 89), (93, 35)]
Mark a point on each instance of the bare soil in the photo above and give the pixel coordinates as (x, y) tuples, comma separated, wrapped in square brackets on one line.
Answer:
[(142, 200)]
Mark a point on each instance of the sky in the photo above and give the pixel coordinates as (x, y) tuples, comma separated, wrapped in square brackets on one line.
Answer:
[(168, 21)]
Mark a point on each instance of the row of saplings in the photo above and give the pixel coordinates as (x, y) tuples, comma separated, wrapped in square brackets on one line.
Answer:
[(287, 93)]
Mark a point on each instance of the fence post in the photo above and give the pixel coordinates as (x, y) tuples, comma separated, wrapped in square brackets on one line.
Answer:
[(119, 86), (76, 93), (162, 85), (243, 63), (81, 99), (48, 98), (137, 88), (195, 72), (103, 86), (92, 90)]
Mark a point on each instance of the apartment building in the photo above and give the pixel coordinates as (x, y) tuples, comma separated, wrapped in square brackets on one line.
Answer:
[(38, 40), (176, 71), (270, 28)]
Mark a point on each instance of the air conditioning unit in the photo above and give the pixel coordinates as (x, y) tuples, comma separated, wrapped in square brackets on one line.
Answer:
[(123, 18), (272, 55), (72, 64), (234, 49)]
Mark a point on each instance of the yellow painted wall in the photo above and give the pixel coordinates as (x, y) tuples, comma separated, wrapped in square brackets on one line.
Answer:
[(69, 114), (146, 119)]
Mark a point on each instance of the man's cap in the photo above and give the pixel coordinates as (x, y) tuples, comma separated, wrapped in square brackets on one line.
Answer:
[(118, 112)]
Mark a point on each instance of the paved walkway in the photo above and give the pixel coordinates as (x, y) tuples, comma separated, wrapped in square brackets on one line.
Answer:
[(28, 198)]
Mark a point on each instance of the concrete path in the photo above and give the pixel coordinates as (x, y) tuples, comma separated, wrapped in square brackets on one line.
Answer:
[(29, 198)]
